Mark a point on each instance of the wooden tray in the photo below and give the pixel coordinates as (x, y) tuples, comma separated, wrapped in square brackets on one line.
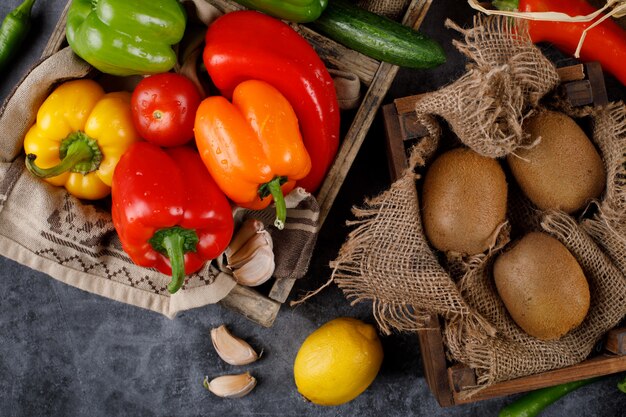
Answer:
[(377, 77), (583, 84)]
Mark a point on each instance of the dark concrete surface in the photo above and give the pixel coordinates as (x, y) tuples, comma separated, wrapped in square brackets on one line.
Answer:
[(65, 352)]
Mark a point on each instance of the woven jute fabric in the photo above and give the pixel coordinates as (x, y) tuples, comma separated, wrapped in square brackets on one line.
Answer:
[(393, 9), (512, 353), (486, 106), (74, 241), (387, 260), (608, 225)]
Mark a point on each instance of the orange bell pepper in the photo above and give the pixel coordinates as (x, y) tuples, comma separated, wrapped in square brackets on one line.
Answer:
[(252, 147)]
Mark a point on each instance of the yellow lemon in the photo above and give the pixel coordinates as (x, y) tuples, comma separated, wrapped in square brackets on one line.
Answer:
[(338, 361)]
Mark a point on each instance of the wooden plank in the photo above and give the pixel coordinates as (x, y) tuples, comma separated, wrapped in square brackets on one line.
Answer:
[(461, 377), (411, 129), (360, 126), (597, 366), (434, 361), (417, 14), (583, 84), (596, 79), (430, 339), (578, 93), (571, 73), (226, 6), (396, 154), (407, 104), (252, 305), (354, 138), (281, 289), (616, 341), (57, 39), (338, 56)]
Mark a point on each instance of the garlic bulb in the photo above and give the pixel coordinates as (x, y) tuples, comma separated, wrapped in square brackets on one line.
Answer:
[(250, 255), (232, 349), (231, 386)]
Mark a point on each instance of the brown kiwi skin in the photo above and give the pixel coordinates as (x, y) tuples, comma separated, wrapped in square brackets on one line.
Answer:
[(563, 171), (543, 287), (464, 200)]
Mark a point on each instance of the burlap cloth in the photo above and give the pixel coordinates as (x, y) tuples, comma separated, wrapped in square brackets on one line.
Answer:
[(74, 241), (393, 9), (386, 259)]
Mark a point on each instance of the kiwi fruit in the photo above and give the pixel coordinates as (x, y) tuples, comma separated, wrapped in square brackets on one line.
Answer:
[(564, 170), (464, 200), (542, 286)]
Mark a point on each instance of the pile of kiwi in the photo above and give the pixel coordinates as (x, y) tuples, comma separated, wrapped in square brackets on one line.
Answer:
[(464, 204)]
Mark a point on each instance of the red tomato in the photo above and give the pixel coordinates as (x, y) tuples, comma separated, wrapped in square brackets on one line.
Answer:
[(164, 108)]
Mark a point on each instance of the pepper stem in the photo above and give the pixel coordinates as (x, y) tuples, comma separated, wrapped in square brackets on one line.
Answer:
[(78, 153), (174, 242), (273, 187)]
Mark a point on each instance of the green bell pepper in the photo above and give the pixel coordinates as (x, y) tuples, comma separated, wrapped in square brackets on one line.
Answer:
[(126, 37), (300, 11)]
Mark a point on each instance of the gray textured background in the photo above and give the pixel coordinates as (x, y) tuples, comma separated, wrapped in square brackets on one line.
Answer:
[(64, 352)]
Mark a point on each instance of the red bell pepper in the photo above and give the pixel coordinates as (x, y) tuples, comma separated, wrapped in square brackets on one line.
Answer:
[(168, 211), (605, 43), (246, 45)]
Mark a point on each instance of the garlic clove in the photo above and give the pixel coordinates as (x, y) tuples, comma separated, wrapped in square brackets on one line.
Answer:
[(232, 349), (258, 269), (248, 229), (250, 256), (247, 251), (231, 386)]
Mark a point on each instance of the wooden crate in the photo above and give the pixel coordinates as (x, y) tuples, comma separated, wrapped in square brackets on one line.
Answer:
[(376, 76), (583, 84)]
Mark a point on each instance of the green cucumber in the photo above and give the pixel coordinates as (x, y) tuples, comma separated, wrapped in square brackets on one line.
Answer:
[(378, 37)]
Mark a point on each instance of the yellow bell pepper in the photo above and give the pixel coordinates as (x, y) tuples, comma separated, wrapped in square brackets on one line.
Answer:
[(80, 134)]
